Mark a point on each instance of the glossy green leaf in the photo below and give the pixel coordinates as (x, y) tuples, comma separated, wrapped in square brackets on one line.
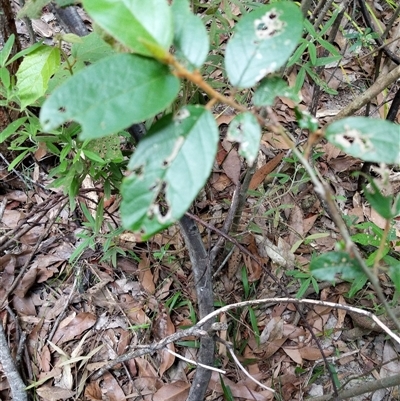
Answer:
[(110, 95), (169, 167), (270, 88), (330, 264), (245, 130), (34, 73), (133, 21), (367, 138), (190, 35), (262, 42)]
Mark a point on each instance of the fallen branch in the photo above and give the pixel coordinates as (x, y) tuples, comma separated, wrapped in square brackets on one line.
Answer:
[(17, 386), (198, 331)]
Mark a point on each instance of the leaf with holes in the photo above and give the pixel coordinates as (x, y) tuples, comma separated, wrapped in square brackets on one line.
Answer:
[(328, 265), (110, 95), (369, 139), (137, 24), (169, 167), (190, 38), (262, 43), (270, 88), (245, 130)]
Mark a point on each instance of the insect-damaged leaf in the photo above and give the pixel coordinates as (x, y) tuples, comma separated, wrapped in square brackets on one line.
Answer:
[(169, 167), (134, 22), (262, 42), (245, 130), (110, 95), (327, 266), (367, 138), (270, 88)]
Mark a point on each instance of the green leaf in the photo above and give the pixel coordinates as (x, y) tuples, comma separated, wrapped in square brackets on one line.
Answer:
[(378, 201), (24, 52), (245, 130), (110, 95), (394, 270), (11, 129), (108, 148), (270, 88), (32, 8), (262, 42), (312, 50), (326, 60), (93, 156), (132, 22), (34, 73), (6, 50), (91, 49), (71, 38), (170, 166), (306, 120), (190, 34), (328, 265), (367, 138), (5, 78)]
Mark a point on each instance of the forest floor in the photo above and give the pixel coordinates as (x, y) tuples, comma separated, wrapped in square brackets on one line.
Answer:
[(67, 313)]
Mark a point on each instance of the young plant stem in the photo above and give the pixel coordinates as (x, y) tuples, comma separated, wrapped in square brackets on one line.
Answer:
[(379, 254), (181, 72)]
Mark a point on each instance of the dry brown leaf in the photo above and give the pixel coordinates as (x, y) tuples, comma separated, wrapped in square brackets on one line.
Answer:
[(145, 275), (54, 393), (24, 306), (93, 391), (231, 164), (45, 359), (146, 370), (111, 388), (238, 390), (261, 173), (162, 328), (308, 223), (41, 151), (331, 151), (272, 331), (11, 218), (220, 181), (176, 391), (134, 309), (294, 354), (269, 348), (164, 291), (26, 283), (221, 154), (75, 327), (296, 225), (313, 354)]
